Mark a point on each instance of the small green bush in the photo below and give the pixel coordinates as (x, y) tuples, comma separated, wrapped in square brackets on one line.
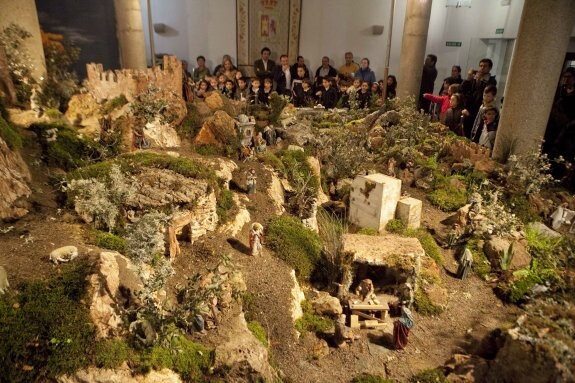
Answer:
[(311, 321), (113, 104), (444, 195), (109, 241), (190, 360), (481, 264), (428, 243), (423, 304), (298, 169), (224, 203), (46, 327), (10, 134), (429, 376), (272, 160), (368, 231), (191, 125), (259, 331), (292, 242), (206, 150), (395, 226), (112, 353), (369, 378)]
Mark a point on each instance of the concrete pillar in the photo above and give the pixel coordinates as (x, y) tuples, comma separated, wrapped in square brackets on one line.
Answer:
[(538, 56), (413, 47), (130, 34), (24, 14)]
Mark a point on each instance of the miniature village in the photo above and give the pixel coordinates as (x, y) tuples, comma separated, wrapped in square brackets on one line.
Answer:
[(146, 238)]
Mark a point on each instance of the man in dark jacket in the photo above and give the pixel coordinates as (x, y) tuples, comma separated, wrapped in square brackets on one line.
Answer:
[(324, 71), (472, 89), (282, 77), (427, 81), (264, 67)]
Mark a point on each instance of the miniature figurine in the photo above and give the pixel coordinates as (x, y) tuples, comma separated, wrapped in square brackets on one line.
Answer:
[(246, 153), (260, 143), (465, 264), (252, 181), (406, 294), (453, 235), (256, 239), (401, 328), (391, 167), (367, 292), (270, 135)]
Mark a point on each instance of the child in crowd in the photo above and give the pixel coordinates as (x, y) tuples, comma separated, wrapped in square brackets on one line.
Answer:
[(242, 91), (327, 95), (308, 98), (364, 96), (391, 86), (213, 83), (203, 89), (489, 94), (221, 82), (255, 91), (355, 86), (454, 115), (266, 91), (444, 100), (487, 137), (343, 101), (230, 89)]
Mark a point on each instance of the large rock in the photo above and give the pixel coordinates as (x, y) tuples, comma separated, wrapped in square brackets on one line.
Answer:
[(276, 192), (214, 101), (112, 288), (14, 179), (161, 188), (222, 167), (467, 369), (299, 133), (494, 247), (236, 224), (325, 304), (218, 130), (122, 374), (160, 135), (241, 355), (316, 170), (297, 296), (84, 108)]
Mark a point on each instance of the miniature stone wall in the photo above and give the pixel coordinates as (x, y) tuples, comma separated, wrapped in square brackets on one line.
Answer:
[(373, 200), (131, 82)]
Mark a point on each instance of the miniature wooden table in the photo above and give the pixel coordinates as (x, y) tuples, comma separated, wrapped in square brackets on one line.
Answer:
[(368, 313)]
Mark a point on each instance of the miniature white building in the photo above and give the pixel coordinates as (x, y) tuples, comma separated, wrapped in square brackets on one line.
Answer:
[(373, 200)]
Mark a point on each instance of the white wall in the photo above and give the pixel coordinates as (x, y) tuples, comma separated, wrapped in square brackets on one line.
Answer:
[(194, 27)]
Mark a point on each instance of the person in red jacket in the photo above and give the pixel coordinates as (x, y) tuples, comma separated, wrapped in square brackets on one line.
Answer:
[(443, 101)]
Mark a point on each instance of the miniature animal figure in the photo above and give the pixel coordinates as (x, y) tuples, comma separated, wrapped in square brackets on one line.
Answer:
[(64, 254), (4, 284)]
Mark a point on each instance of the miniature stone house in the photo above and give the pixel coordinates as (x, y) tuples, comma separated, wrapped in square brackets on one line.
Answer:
[(373, 200)]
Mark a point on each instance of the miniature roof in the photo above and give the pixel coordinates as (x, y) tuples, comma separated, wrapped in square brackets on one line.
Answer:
[(384, 250)]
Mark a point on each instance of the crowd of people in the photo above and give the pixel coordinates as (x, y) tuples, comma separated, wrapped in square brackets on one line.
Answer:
[(467, 106), (327, 86)]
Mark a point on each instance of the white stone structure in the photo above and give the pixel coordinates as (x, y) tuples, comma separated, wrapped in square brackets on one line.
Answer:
[(409, 212), (373, 200)]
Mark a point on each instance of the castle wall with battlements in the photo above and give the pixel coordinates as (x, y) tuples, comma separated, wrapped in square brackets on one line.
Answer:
[(106, 85)]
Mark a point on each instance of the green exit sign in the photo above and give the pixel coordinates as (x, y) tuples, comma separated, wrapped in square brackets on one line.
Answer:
[(499, 31), (453, 43)]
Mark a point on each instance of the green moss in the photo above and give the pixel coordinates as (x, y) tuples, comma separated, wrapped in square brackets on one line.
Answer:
[(109, 241), (69, 150), (113, 104), (10, 134), (224, 203), (368, 231), (395, 226), (428, 243), (259, 331), (312, 322), (445, 194), (369, 378), (206, 150), (191, 125), (190, 360), (54, 114), (429, 376), (47, 327), (111, 353), (423, 304), (298, 246), (481, 264)]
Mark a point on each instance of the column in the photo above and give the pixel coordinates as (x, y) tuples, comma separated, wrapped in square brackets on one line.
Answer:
[(130, 34), (413, 47), (538, 56), (24, 14)]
